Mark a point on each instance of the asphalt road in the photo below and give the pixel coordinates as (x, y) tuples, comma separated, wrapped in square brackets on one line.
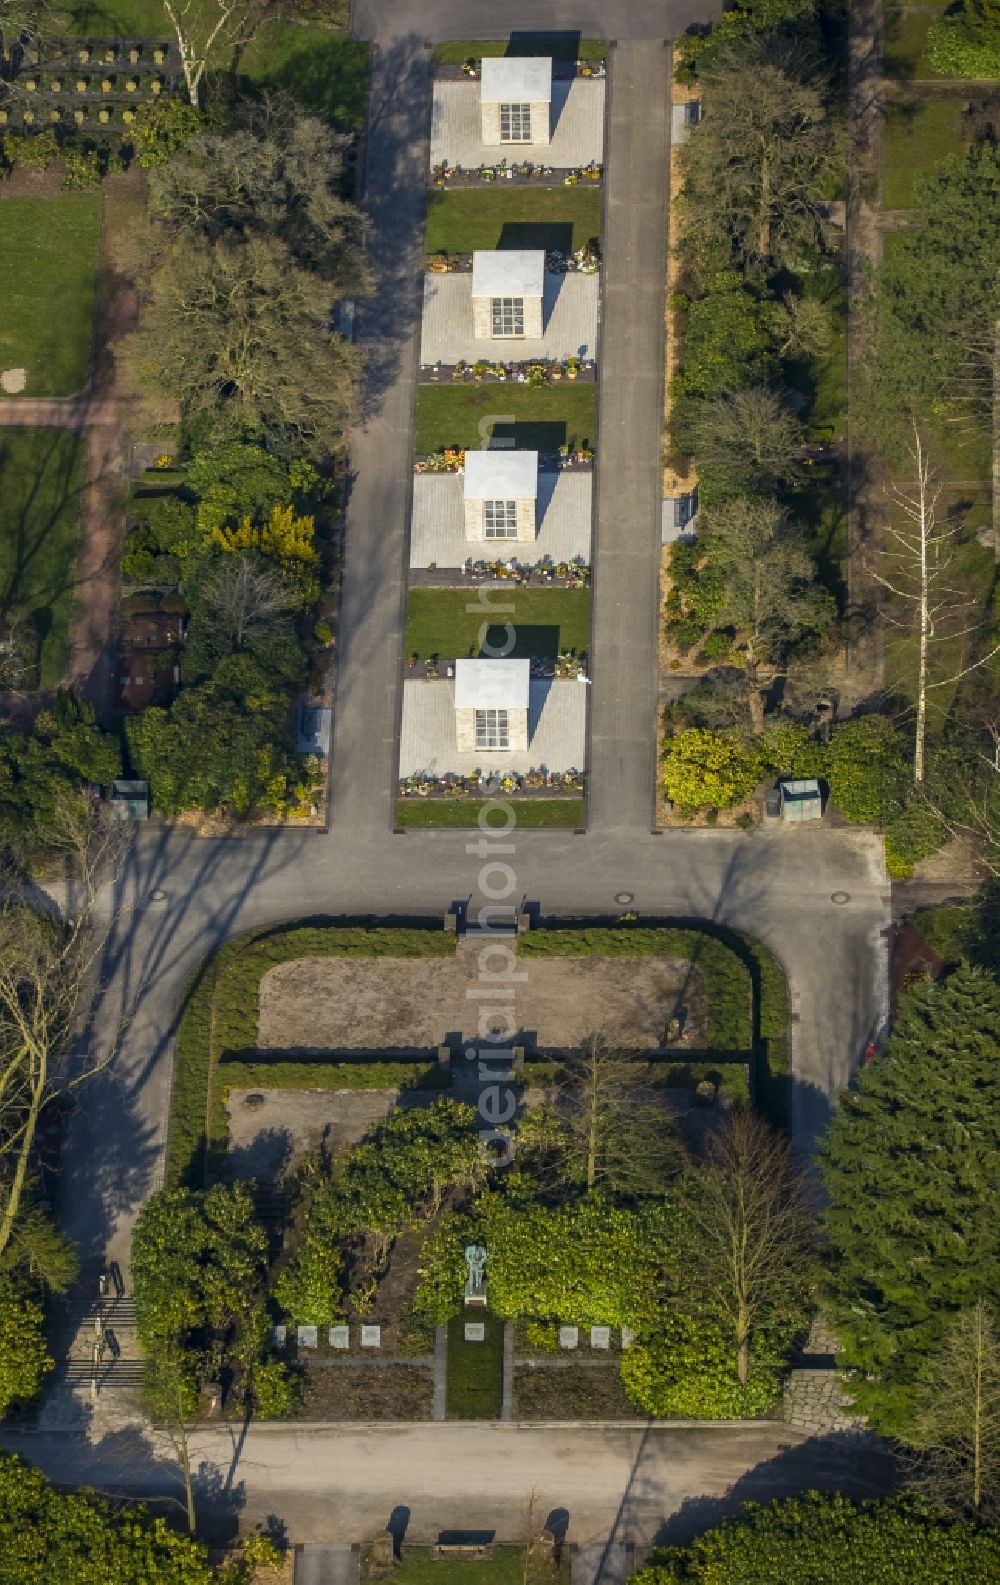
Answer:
[(486, 19), (344, 1482), (819, 899)]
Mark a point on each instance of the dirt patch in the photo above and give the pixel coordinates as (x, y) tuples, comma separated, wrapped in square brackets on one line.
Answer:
[(368, 1392), (571, 1391), (413, 1005), (265, 1141), (912, 961)]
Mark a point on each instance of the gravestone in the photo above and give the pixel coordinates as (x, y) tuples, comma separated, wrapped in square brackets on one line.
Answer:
[(600, 1337), (278, 1336), (628, 1337), (340, 1337), (308, 1336), (371, 1337), (475, 1331), (475, 1282), (569, 1337)]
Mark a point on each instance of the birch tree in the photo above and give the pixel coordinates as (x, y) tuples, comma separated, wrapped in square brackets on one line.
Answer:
[(917, 567), (204, 28), (45, 965), (747, 1219), (955, 1435), (611, 1132)]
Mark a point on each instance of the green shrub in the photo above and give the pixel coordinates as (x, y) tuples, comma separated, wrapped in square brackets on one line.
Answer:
[(867, 769), (911, 836), (687, 1368), (81, 168), (716, 646), (309, 1289), (276, 1391), (953, 53), (827, 1539), (542, 1336), (36, 151), (703, 767)]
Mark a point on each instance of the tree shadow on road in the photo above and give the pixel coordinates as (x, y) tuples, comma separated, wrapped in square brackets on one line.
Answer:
[(858, 1464)]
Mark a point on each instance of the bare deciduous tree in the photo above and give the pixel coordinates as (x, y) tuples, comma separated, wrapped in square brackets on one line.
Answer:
[(955, 1437), (748, 1220), (918, 564), (612, 1131), (769, 582), (246, 594), (45, 963), (203, 27)]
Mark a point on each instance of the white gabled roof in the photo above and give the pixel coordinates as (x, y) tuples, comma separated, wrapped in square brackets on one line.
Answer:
[(501, 475), (516, 79), (492, 684), (514, 272)]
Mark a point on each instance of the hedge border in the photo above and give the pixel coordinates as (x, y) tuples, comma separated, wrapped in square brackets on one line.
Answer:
[(217, 1029), (219, 1015), (756, 1033)]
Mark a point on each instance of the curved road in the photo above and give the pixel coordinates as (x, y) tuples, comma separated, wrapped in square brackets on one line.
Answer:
[(819, 899)]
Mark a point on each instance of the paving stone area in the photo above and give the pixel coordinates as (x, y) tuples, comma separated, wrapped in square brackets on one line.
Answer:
[(814, 1399), (437, 535), (570, 309), (557, 731), (577, 136)]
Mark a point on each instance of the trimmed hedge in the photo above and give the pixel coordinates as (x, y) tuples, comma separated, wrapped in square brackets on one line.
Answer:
[(219, 1022), (746, 991), (322, 1075), (745, 988)]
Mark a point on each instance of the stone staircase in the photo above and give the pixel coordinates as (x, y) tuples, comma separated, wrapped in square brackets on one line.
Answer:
[(814, 1399)]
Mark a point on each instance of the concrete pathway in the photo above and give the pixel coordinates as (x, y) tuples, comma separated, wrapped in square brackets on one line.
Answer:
[(340, 1483), (318, 1564), (388, 325), (484, 19), (621, 763)]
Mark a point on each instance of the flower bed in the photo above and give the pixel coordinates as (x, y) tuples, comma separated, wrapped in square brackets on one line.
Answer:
[(586, 259), (536, 373), (524, 172), (573, 574), (533, 783)]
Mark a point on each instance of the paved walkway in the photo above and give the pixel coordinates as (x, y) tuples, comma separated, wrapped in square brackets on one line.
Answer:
[(484, 19), (342, 1483), (627, 541), (388, 324)]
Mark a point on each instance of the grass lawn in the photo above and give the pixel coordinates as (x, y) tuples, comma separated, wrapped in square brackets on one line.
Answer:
[(467, 219), (547, 622), (325, 72), (419, 1566), (139, 19), (48, 263), (566, 46), (531, 420), (475, 1370), (421, 813), (39, 511), (918, 134), (906, 43)]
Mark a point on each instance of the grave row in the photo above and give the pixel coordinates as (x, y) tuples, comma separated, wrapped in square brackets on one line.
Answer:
[(339, 1336)]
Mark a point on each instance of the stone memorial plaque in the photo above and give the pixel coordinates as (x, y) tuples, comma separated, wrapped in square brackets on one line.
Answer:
[(340, 1337), (600, 1337), (475, 1331), (569, 1337), (278, 1336), (308, 1336), (628, 1337), (371, 1337)]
